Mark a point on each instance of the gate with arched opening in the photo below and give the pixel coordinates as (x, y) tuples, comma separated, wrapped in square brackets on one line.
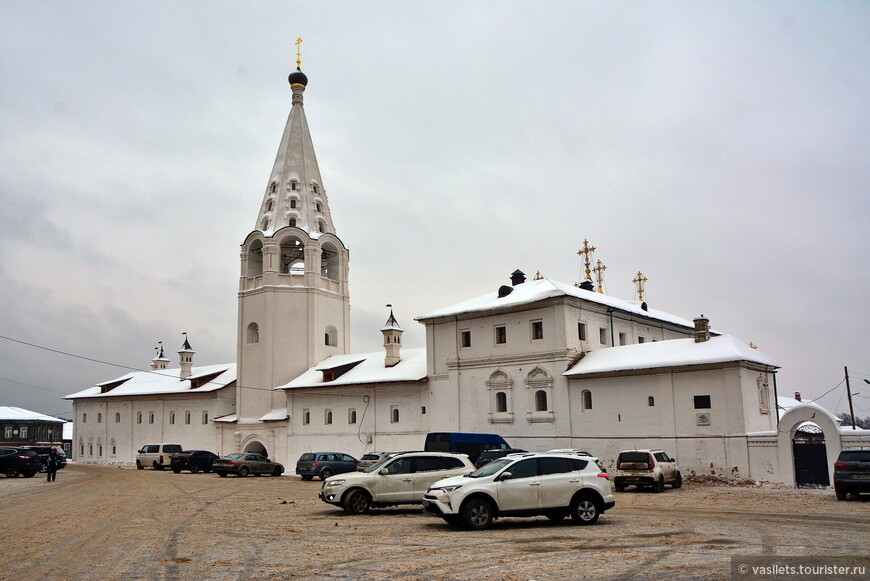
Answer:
[(808, 460)]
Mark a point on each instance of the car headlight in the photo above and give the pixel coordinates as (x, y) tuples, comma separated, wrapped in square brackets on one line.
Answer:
[(338, 482), (450, 488)]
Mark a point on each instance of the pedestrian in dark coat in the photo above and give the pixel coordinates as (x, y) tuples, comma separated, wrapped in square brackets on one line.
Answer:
[(52, 464)]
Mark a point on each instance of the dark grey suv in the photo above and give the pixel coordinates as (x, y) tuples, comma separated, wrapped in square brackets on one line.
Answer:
[(324, 464), (852, 472)]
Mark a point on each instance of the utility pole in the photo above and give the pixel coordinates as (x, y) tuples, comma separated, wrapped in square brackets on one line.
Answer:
[(849, 394)]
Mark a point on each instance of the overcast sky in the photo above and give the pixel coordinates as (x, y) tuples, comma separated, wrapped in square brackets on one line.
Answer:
[(721, 148)]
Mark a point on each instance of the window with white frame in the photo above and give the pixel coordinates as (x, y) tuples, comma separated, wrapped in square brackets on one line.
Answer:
[(537, 330), (501, 402), (23, 432), (327, 417), (394, 414), (540, 388), (586, 399), (7, 432), (499, 385), (351, 416)]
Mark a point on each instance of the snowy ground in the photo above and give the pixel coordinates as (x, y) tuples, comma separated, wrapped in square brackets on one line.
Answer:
[(119, 523)]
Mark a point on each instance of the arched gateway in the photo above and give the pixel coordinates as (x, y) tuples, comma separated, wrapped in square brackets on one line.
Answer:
[(803, 463)]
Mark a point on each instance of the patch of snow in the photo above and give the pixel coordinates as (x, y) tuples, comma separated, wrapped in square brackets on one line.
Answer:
[(370, 369)]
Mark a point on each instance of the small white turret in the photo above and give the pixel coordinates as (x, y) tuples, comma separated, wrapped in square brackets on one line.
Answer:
[(185, 358), (392, 340), (160, 361)]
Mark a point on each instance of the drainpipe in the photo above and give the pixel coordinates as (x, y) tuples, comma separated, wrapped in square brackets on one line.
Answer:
[(612, 342), (775, 399)]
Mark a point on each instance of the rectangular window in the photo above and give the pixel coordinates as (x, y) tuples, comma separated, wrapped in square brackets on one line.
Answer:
[(23, 432), (640, 339), (150, 417), (204, 417), (7, 432), (423, 410), (306, 416), (500, 335), (702, 402), (537, 330), (581, 331), (465, 338), (602, 335), (622, 338)]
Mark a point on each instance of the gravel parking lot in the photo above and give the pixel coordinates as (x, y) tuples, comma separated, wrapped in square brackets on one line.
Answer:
[(99, 522)]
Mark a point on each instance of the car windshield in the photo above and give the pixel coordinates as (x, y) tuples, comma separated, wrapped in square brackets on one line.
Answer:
[(378, 465), (491, 468)]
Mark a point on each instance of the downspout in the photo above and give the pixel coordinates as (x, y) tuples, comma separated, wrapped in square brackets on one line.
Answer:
[(775, 400), (612, 342)]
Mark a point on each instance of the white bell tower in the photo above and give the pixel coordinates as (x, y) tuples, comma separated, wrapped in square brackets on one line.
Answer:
[(294, 303)]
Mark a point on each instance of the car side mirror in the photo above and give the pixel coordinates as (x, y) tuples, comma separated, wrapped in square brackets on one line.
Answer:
[(383, 471), (505, 476)]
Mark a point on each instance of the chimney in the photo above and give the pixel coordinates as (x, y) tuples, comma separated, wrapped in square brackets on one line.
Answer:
[(797, 395), (702, 329), (185, 358), (392, 340), (159, 362), (518, 277)]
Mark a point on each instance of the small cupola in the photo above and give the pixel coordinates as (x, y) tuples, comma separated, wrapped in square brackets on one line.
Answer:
[(518, 277), (392, 340), (702, 329), (160, 361), (185, 358)]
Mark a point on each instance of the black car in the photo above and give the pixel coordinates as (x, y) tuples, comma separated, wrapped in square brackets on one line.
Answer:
[(488, 456), (852, 472), (15, 461), (43, 452), (193, 460)]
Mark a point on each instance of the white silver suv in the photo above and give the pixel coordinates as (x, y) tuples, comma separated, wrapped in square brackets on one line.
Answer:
[(553, 485), (646, 468), (398, 479)]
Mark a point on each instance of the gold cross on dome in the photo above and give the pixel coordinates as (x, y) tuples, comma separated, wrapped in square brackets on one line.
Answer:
[(599, 274), (639, 280), (585, 252), (298, 52)]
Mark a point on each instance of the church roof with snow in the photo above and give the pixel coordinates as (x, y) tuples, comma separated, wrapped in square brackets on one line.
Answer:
[(364, 368), (204, 379), (671, 353), (537, 290)]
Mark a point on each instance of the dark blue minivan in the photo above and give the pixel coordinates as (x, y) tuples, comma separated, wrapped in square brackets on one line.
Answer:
[(464, 443)]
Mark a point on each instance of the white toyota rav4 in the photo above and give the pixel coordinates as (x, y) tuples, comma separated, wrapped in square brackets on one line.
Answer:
[(553, 485)]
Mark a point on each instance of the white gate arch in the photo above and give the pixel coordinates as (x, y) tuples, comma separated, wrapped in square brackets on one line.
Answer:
[(788, 425)]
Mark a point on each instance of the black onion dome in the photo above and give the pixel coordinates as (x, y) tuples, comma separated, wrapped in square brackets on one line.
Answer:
[(298, 78)]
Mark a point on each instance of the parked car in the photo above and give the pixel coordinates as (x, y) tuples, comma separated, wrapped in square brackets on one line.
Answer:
[(646, 469), (193, 460), (471, 444), (158, 456), (43, 452), (400, 479), (552, 485), (324, 464), (852, 472), (488, 456), (570, 451), (15, 461), (244, 463), (371, 458)]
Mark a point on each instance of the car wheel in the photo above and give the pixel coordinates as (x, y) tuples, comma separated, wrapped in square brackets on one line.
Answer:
[(221, 474), (139, 465), (177, 470), (556, 516), (585, 511), (277, 471), (357, 502), (325, 473), (30, 473), (243, 471), (194, 469), (678, 483), (840, 495), (477, 514), (12, 472), (659, 486), (307, 477)]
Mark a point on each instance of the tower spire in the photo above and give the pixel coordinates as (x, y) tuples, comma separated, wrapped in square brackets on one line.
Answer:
[(599, 274)]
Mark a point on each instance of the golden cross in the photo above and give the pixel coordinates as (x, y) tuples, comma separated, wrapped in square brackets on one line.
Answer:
[(599, 274), (585, 252), (538, 275), (298, 53), (639, 280)]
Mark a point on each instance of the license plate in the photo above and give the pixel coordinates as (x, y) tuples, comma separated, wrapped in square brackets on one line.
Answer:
[(861, 476)]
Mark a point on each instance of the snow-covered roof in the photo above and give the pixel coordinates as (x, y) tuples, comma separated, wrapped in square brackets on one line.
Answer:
[(227, 419), (672, 353), (537, 290), (13, 413), (275, 415), (163, 381), (370, 369)]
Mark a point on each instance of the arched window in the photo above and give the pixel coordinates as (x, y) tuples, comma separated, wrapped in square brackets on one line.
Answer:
[(292, 222), (138, 417), (265, 224), (84, 418), (351, 416), (81, 447), (117, 418), (293, 186), (150, 417), (253, 333), (114, 447), (328, 417), (501, 402), (314, 188), (306, 417), (541, 401), (318, 206), (586, 395), (269, 205), (394, 414), (330, 336), (329, 261), (651, 401), (187, 418), (255, 258), (99, 418), (292, 255), (272, 187), (320, 226), (292, 203), (171, 418)]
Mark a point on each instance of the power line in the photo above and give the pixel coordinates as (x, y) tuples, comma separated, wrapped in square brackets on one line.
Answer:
[(31, 385)]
